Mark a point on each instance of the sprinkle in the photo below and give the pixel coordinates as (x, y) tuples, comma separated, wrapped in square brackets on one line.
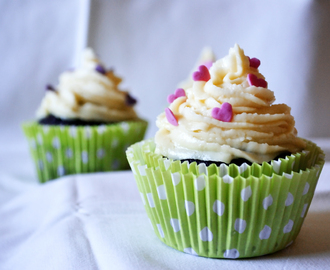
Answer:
[(178, 93), (208, 64), (99, 68), (202, 75), (130, 101), (170, 117), (253, 80), (49, 87), (224, 114), (254, 62)]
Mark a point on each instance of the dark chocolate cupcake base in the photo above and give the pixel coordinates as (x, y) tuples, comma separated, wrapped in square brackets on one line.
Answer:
[(237, 161), (53, 120)]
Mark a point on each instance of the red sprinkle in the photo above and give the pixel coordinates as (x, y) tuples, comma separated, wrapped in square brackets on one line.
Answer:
[(178, 93), (254, 62), (253, 80), (202, 75), (224, 114), (170, 117)]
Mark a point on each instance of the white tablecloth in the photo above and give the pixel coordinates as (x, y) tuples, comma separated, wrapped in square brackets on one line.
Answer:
[(97, 221)]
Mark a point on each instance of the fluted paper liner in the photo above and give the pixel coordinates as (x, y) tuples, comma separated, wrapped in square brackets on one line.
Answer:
[(226, 211), (62, 150)]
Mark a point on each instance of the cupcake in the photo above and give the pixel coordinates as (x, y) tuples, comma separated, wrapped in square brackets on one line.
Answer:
[(226, 175), (85, 124)]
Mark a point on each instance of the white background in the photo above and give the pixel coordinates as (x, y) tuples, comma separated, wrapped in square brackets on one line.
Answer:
[(154, 45)]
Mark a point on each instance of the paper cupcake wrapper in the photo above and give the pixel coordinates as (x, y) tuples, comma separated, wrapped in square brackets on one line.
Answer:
[(63, 150), (226, 211)]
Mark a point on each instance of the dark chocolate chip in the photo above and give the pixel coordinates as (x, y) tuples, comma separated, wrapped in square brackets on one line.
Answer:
[(130, 101), (99, 68), (49, 87)]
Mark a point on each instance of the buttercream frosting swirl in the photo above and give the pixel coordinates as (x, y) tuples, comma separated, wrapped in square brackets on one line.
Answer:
[(258, 131), (88, 94)]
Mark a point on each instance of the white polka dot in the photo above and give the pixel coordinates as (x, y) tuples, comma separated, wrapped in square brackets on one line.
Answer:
[(268, 201), (306, 188), (40, 164), (84, 157), (206, 235), (68, 153), (49, 157), (277, 165), (190, 251), (161, 192), (88, 132), (305, 152), (290, 243), (200, 183), (265, 232), (73, 131), (125, 127), (202, 168), (176, 178), (33, 144), (114, 143), (246, 193), (289, 199), (160, 230), (167, 164), (218, 207), (288, 227), (227, 179), (133, 169), (100, 153), (190, 207), (240, 225), (231, 254), (101, 129), (45, 129), (303, 212), (243, 168), (288, 176), (152, 227), (60, 170), (150, 200), (56, 143), (115, 164), (142, 197), (223, 170), (39, 139), (175, 224), (142, 170)]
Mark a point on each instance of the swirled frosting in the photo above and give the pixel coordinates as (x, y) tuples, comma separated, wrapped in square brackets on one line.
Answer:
[(258, 131), (88, 93)]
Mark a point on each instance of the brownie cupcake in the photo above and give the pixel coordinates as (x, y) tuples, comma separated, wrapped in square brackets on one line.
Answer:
[(85, 124), (226, 175)]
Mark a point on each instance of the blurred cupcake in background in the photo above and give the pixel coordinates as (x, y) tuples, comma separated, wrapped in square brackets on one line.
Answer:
[(85, 124)]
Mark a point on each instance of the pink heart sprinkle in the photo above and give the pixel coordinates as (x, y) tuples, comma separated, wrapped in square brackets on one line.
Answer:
[(254, 62), (224, 114), (253, 80), (202, 75), (208, 64), (178, 93), (170, 117)]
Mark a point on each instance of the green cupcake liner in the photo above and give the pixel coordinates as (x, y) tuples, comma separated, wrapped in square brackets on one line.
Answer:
[(226, 211), (64, 150)]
